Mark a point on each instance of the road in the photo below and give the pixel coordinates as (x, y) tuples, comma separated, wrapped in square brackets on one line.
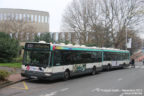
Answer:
[(124, 82)]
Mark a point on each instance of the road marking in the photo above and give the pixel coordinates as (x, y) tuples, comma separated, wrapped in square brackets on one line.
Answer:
[(137, 67), (121, 94), (55, 92), (96, 89), (50, 94), (142, 67), (26, 87), (64, 89), (23, 88), (120, 79)]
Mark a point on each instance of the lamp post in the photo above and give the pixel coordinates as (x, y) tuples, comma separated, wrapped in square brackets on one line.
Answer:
[(126, 38)]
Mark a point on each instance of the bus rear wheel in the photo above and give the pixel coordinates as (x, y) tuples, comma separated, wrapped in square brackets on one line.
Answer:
[(109, 67), (94, 71), (66, 75)]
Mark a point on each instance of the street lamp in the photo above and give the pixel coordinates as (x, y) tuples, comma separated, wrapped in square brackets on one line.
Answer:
[(126, 38)]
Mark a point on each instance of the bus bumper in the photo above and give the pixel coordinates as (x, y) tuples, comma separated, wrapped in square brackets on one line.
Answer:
[(41, 75)]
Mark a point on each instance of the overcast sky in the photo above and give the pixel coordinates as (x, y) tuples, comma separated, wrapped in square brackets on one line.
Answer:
[(54, 7)]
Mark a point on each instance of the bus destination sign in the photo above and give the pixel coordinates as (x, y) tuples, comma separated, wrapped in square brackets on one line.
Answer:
[(37, 46)]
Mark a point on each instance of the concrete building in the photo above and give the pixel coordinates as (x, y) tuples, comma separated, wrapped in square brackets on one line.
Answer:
[(39, 20)]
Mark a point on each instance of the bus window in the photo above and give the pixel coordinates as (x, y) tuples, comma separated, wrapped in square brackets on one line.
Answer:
[(107, 56), (67, 57), (57, 58), (85, 57)]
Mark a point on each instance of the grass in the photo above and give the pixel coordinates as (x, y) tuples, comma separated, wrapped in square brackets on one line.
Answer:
[(14, 65)]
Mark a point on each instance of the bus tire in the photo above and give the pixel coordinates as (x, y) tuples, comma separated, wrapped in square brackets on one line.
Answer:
[(66, 75), (109, 67), (94, 71), (124, 66)]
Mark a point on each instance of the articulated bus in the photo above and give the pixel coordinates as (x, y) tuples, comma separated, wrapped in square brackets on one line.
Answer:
[(50, 61)]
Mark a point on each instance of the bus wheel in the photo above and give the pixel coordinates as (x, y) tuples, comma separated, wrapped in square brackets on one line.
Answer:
[(109, 67), (124, 66), (66, 75), (93, 71)]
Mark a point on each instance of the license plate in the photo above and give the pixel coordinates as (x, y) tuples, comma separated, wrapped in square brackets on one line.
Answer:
[(34, 77)]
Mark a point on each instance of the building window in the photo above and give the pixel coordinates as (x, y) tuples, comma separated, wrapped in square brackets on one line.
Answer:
[(24, 17), (28, 17), (0, 16), (20, 16), (17, 17), (46, 19), (35, 18), (4, 16), (32, 18), (39, 19), (12, 16), (42, 19)]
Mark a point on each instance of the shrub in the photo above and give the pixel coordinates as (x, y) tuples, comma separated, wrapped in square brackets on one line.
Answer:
[(3, 75), (9, 48), (18, 60)]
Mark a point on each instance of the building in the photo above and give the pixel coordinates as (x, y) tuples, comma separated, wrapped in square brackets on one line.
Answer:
[(64, 37), (22, 21), (138, 56)]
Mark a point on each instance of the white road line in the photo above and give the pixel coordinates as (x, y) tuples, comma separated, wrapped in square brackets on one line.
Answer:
[(120, 79), (95, 90), (50, 94), (137, 67), (64, 89), (121, 94), (142, 67)]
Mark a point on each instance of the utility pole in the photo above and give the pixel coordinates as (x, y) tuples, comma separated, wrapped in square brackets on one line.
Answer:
[(126, 38)]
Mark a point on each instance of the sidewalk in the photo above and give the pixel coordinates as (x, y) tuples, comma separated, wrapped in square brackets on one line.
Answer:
[(14, 77)]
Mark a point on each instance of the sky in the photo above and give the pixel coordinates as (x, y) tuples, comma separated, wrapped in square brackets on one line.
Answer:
[(54, 7)]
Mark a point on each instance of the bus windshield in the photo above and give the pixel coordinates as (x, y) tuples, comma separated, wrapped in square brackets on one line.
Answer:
[(36, 58)]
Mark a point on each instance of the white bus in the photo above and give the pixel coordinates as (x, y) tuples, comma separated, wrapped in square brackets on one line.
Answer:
[(50, 61)]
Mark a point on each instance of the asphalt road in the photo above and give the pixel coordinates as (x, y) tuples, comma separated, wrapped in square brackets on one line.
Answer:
[(124, 82)]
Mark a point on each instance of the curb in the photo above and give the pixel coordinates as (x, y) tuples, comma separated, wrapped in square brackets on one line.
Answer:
[(8, 83)]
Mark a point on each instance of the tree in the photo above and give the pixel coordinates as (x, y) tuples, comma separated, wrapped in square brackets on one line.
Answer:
[(43, 37), (9, 47), (120, 16), (18, 27), (103, 22)]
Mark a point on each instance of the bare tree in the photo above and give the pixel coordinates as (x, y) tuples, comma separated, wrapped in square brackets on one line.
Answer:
[(77, 18), (19, 28), (119, 16), (104, 22)]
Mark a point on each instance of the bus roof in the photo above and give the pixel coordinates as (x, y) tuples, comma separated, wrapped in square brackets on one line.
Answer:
[(63, 46), (86, 48)]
